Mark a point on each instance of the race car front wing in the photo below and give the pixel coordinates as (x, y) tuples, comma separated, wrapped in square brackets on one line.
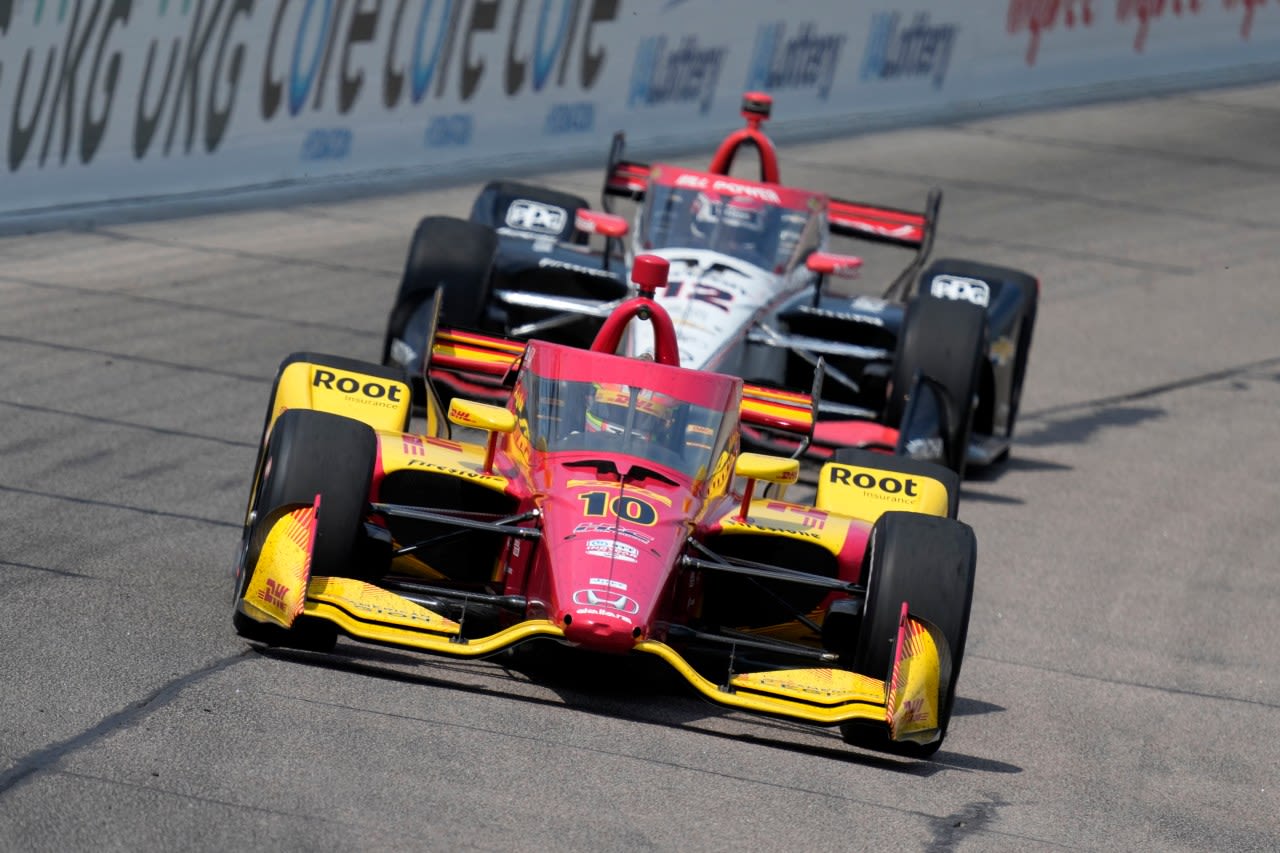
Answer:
[(907, 701)]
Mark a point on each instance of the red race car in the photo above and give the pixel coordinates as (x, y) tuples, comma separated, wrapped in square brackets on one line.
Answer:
[(608, 506)]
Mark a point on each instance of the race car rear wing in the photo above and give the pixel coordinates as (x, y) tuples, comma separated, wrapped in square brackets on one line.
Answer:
[(862, 221), (907, 228), (466, 354), (910, 229)]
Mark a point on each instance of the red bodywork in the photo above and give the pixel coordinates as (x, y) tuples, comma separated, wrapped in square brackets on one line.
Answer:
[(909, 228), (616, 525)]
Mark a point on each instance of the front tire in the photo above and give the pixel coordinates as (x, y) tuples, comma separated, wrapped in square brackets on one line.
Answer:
[(946, 340), (310, 453), (929, 563)]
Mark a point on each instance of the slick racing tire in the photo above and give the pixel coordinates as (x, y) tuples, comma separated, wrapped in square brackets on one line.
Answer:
[(450, 254), (946, 340), (311, 453), (1025, 300), (494, 207), (929, 563), (903, 465)]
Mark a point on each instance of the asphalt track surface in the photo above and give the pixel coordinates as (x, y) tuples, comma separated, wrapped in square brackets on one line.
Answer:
[(1121, 687)]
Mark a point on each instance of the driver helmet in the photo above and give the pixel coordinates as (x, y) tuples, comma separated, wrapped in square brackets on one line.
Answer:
[(740, 219), (609, 409)]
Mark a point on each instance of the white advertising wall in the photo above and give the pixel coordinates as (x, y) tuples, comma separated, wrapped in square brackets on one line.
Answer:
[(108, 100)]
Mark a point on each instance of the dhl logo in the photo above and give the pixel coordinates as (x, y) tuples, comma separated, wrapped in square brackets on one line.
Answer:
[(274, 594)]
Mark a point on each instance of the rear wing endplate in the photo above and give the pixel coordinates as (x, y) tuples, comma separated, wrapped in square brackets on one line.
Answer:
[(624, 178)]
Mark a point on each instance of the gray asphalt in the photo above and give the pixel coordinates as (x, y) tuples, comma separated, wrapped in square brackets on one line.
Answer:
[(1121, 687)]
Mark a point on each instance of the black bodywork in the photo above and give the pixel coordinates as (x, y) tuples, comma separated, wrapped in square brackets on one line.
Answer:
[(536, 274)]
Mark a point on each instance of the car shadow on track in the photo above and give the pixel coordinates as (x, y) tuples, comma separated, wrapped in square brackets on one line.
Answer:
[(1065, 426), (632, 689), (1013, 463)]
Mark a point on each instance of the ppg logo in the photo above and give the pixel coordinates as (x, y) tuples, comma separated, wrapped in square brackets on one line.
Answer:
[(535, 216), (961, 289)]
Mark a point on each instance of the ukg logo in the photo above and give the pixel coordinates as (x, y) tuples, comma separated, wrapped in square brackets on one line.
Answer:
[(687, 74), (919, 50), (807, 60)]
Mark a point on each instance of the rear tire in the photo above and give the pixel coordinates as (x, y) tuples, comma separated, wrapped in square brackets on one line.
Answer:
[(492, 205), (1001, 280), (447, 253), (946, 340), (930, 563), (310, 453)]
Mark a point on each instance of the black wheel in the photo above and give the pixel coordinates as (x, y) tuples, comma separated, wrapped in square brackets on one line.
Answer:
[(447, 253), (310, 453), (928, 562), (1013, 298), (904, 465), (946, 340), (530, 208)]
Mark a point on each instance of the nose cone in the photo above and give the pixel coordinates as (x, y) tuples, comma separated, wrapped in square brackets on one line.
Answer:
[(609, 549), (599, 629)]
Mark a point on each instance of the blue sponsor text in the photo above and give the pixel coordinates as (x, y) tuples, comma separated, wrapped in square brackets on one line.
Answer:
[(687, 74), (807, 60), (919, 50), (327, 143), (577, 117), (449, 131)]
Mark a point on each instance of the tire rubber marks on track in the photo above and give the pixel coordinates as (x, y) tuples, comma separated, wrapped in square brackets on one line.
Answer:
[(1157, 390), (48, 758)]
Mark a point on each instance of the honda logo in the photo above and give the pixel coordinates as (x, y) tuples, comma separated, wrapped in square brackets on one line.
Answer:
[(606, 598)]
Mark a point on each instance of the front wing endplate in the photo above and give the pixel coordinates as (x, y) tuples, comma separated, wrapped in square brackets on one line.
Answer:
[(914, 696), (278, 579)]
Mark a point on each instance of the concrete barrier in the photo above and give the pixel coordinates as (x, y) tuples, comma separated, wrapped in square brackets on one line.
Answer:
[(104, 102)]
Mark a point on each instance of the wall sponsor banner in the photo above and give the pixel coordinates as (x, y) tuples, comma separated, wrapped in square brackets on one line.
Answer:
[(105, 100)]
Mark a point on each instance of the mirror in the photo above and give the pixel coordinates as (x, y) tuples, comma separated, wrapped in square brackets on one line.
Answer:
[(771, 469), (829, 263), (469, 413)]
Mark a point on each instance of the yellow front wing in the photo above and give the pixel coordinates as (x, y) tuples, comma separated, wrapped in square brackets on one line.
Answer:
[(826, 697), (908, 704), (370, 613)]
